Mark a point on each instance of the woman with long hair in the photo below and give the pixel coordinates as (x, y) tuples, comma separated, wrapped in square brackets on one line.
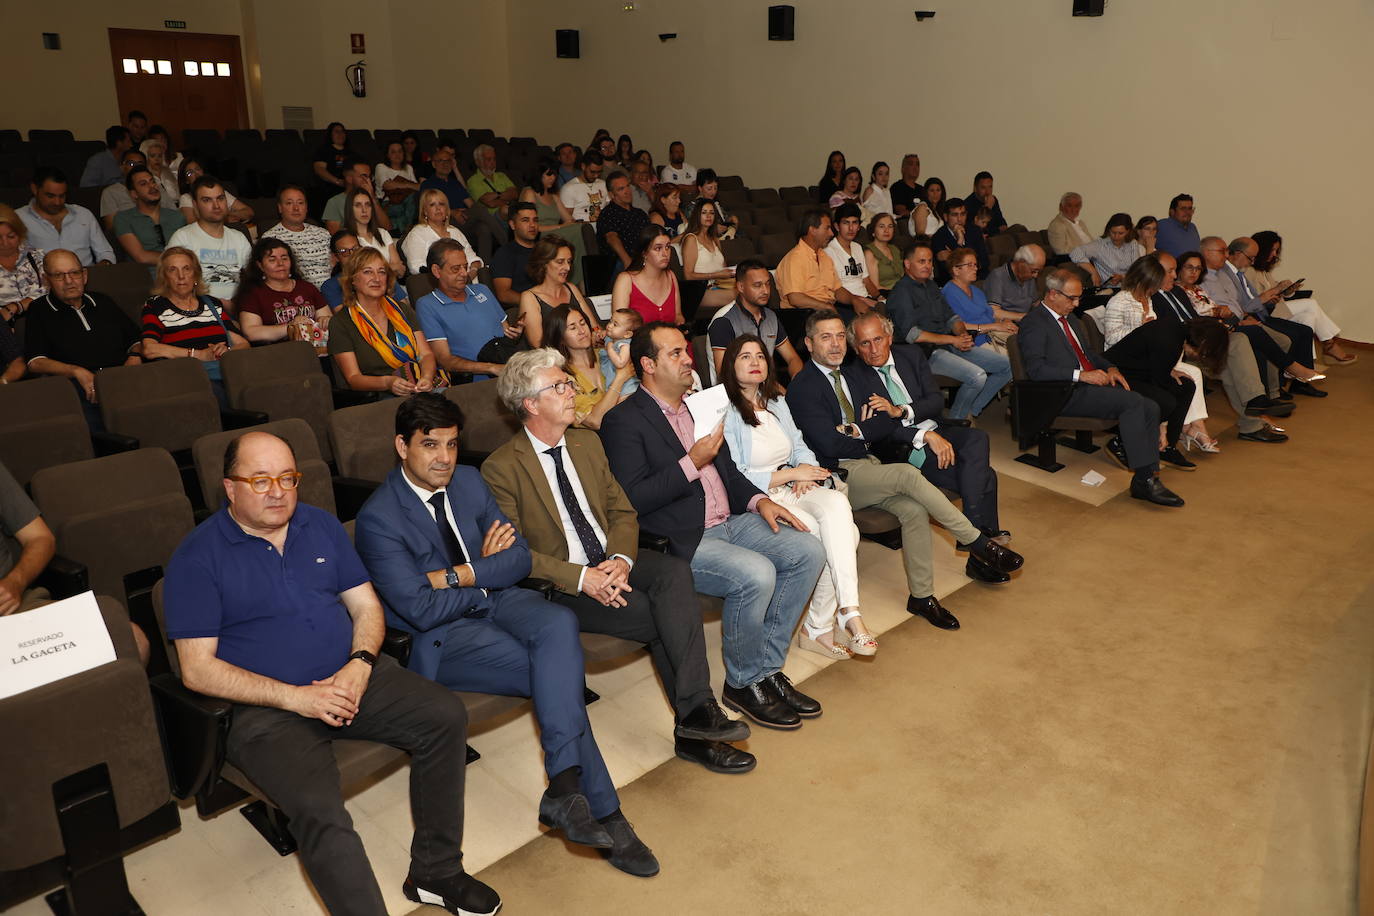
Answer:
[(434, 225), (851, 182), (625, 151), (1303, 308), (181, 320), (394, 179), (554, 217), (272, 296), (703, 259), (929, 214), (1146, 231), (768, 448), (834, 174), (570, 333), (667, 209), (550, 266), (877, 198), (377, 343), (647, 286), (1108, 258), (360, 212)]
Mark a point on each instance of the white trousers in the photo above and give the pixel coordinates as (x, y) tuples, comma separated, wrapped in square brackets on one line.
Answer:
[(1197, 410), (828, 514), (1308, 312)]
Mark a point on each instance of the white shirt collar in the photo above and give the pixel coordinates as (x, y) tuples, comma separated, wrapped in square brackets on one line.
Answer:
[(540, 447), (424, 495)]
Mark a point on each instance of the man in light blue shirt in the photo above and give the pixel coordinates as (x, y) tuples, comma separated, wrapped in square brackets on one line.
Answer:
[(463, 322), (53, 223)]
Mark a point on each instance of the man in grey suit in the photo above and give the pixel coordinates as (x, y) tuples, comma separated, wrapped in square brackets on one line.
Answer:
[(1054, 348)]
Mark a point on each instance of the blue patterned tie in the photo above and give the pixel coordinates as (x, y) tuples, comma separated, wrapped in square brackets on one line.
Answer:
[(591, 544)]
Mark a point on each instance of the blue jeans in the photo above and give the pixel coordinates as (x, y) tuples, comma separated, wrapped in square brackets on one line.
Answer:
[(982, 372), (765, 579)]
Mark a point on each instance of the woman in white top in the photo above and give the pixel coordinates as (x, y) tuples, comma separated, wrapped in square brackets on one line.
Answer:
[(765, 443), (703, 259), (395, 182), (434, 213), (1303, 310), (155, 151), (360, 219), (851, 182), (876, 197), (929, 214)]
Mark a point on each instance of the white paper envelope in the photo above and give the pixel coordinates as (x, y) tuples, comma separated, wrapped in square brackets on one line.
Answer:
[(707, 407), (49, 643)]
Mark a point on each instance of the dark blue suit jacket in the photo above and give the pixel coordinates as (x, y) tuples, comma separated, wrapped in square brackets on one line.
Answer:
[(1045, 352), (644, 453), (816, 410), (399, 543)]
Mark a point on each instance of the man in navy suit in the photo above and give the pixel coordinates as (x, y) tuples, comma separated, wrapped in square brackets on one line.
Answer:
[(1054, 348), (835, 410), (737, 539), (447, 563)]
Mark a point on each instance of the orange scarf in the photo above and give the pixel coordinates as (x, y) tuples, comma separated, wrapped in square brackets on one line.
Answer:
[(397, 356)]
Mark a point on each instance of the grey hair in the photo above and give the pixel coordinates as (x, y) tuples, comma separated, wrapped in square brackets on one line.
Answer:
[(1068, 196), (1058, 278), (1026, 254), (481, 150), (520, 378), (888, 327)]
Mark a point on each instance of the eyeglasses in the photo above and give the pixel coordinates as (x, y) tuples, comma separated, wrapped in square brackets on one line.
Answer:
[(968, 264), (69, 274), (1067, 296), (345, 251), (288, 481), (559, 388)]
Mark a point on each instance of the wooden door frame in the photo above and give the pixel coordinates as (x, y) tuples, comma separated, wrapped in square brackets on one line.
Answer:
[(236, 77)]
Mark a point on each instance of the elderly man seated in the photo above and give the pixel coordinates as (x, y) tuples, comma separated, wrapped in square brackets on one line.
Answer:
[(1066, 230), (1011, 288)]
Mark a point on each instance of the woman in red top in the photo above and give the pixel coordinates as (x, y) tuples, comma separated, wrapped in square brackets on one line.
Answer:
[(648, 286), (272, 296)]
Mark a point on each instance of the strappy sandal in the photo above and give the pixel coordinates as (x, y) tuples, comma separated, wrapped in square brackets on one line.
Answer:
[(1332, 360), (859, 643), (806, 639)]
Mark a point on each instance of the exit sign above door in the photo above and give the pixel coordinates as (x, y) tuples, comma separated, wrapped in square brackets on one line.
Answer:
[(174, 23)]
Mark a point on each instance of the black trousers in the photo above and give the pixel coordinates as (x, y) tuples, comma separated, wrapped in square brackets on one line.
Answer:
[(971, 476), (1136, 415), (662, 612), (1172, 400), (291, 758), (1300, 339)]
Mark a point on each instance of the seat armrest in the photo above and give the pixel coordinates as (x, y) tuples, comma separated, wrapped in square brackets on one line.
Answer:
[(195, 729), (1034, 405), (544, 587), (347, 397), (236, 418), (397, 644), (655, 542), (64, 577), (111, 443), (349, 495)]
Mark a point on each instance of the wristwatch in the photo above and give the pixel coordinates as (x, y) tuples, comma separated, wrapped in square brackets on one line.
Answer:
[(451, 577), (365, 656)]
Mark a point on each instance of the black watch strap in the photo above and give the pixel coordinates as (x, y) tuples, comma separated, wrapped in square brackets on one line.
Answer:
[(451, 577), (365, 656)]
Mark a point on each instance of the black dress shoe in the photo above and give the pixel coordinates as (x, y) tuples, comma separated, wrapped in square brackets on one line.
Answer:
[(931, 610), (461, 894), (1281, 409), (1175, 459), (572, 815), (1153, 491), (1283, 395), (1258, 407), (1265, 433), (999, 536), (759, 702), (1117, 451), (716, 756), (708, 722), (981, 572), (797, 701), (629, 854), (1307, 389), (995, 556)]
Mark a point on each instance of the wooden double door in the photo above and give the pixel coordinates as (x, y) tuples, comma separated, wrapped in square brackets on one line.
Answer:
[(180, 79)]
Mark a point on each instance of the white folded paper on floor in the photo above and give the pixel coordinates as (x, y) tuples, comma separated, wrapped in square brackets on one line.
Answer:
[(1093, 479), (49, 643), (708, 407)]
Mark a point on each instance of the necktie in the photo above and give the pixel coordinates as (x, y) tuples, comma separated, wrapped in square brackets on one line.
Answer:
[(846, 408), (454, 547), (591, 544), (899, 398), (1073, 342)]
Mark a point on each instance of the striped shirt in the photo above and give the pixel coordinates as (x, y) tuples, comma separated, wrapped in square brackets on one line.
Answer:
[(164, 323)]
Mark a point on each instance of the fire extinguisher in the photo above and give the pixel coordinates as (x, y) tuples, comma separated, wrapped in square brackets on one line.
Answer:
[(356, 76)]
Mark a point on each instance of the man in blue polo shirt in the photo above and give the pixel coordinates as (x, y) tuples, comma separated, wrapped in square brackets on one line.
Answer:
[(271, 609), (463, 322)]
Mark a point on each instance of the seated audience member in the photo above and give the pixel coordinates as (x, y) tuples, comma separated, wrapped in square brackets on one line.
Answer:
[(750, 314), (273, 297), (1268, 249), (447, 561), (489, 188), (569, 332), (189, 172), (415, 157), (170, 155), (971, 304), (983, 198), (1054, 348), (703, 258), (929, 214), (301, 666), (1132, 306), (103, 168), (956, 233), (360, 218), (331, 160), (921, 314), (741, 545), (434, 225), (770, 452), (357, 176), (137, 124), (620, 330), (143, 229), (708, 188), (620, 226), (1147, 234), (553, 218), (27, 546), (907, 192), (1240, 377), (75, 332), (341, 245), (649, 287), (52, 223), (832, 178), (447, 178), (1177, 235), (677, 171), (11, 356), (155, 150), (184, 319), (1066, 230), (806, 274), (843, 417), (21, 266), (566, 156), (115, 198), (1108, 258), (396, 187), (876, 198), (508, 276), (1011, 288), (309, 243), (586, 194), (642, 179), (462, 320), (666, 210), (851, 266), (851, 186), (881, 254), (376, 340), (549, 266), (586, 542), (221, 252), (1228, 287)]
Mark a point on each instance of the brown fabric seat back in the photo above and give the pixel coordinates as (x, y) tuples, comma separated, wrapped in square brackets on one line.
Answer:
[(163, 404), (117, 514), (282, 380), (419, 285), (362, 437), (41, 425), (126, 282), (487, 424), (316, 487)]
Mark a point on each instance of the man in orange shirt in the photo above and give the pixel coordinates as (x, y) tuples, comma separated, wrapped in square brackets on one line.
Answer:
[(806, 274)]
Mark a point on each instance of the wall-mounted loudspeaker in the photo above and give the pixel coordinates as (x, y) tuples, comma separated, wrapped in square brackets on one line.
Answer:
[(781, 23), (567, 42), (1088, 7)]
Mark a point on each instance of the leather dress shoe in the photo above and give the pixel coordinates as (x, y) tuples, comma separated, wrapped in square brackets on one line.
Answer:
[(1265, 433), (999, 536), (716, 756), (1259, 406), (995, 556), (1176, 459), (981, 572), (1283, 395), (571, 814), (797, 701), (1153, 491), (931, 610), (629, 854), (1307, 389), (1117, 450), (759, 702), (708, 722)]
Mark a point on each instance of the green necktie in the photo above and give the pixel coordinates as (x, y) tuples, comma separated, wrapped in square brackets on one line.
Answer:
[(846, 408), (899, 399)]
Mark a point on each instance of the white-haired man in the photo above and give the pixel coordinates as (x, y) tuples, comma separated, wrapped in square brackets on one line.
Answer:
[(1066, 230)]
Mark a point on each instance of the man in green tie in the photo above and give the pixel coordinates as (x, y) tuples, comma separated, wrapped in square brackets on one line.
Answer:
[(846, 421)]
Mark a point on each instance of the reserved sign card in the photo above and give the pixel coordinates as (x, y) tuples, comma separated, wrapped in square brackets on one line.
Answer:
[(49, 643)]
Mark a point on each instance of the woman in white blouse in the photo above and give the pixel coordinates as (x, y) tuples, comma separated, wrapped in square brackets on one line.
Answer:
[(877, 198), (434, 213), (929, 214), (703, 259), (360, 218), (770, 451)]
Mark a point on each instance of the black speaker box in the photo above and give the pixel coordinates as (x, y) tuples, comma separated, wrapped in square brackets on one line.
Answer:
[(781, 23), (568, 42), (1088, 7)]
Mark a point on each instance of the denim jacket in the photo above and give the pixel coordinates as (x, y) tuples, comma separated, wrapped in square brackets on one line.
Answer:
[(740, 437)]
